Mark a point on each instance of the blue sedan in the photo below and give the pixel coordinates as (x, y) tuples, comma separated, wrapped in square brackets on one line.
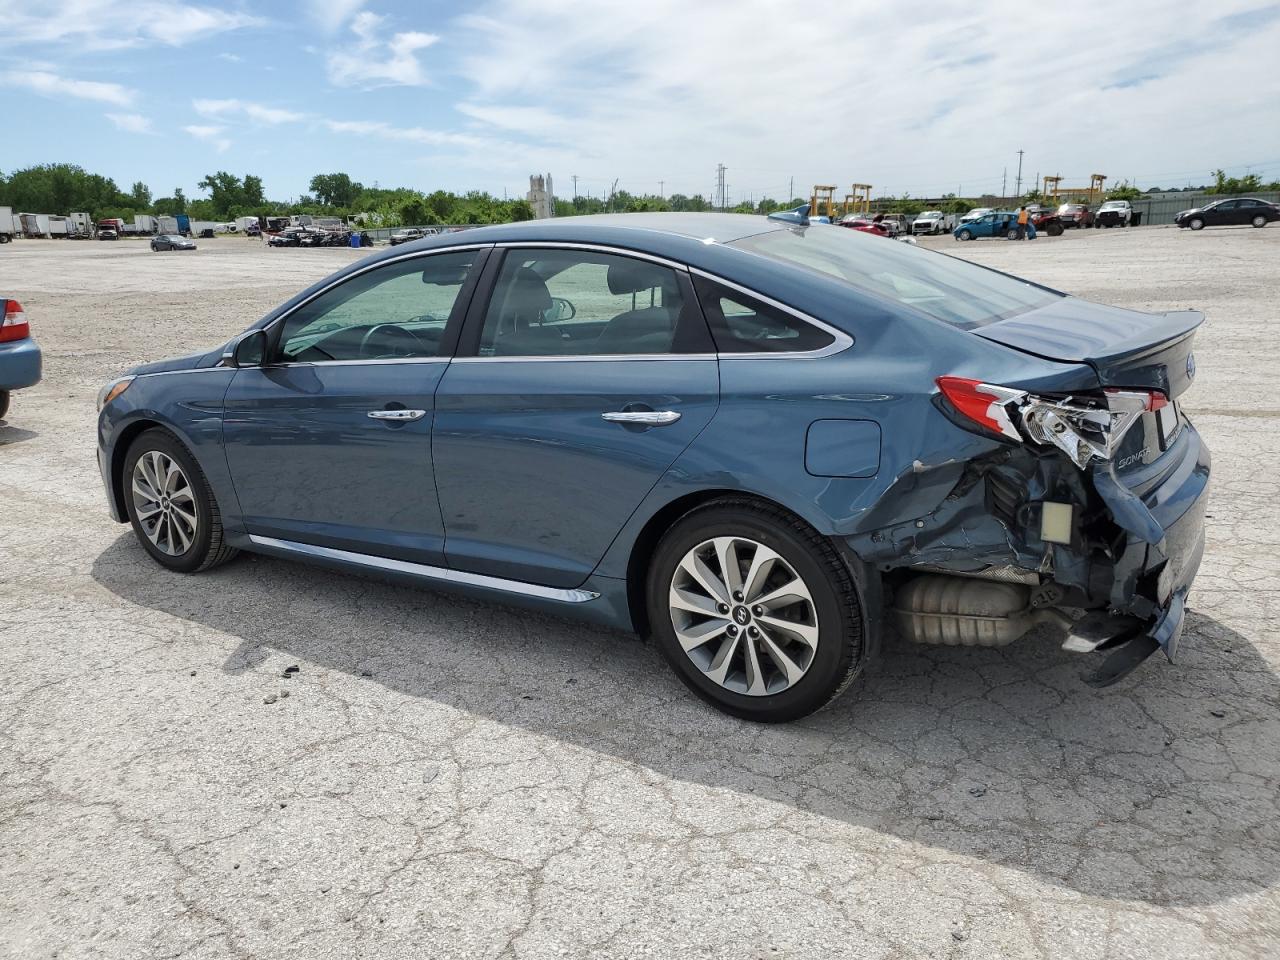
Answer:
[(756, 441), (1001, 224), (19, 353)]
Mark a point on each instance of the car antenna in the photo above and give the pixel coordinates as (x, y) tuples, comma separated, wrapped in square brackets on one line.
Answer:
[(800, 215)]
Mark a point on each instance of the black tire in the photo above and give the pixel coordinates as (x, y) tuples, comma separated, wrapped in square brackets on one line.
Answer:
[(4, 403), (208, 548), (964, 235), (1196, 224), (1259, 221), (839, 653)]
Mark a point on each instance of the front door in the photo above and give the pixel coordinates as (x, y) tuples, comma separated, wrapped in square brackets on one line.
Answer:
[(589, 373), (329, 442)]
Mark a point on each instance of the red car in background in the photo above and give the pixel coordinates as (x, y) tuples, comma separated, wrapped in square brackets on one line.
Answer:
[(1075, 215), (865, 224), (1046, 221)]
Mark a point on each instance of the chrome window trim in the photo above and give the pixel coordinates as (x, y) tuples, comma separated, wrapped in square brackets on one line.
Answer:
[(592, 247), (842, 341), (165, 373), (587, 358), (441, 574), (347, 363)]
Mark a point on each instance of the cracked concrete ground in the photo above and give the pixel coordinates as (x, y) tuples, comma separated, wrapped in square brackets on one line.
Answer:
[(442, 778)]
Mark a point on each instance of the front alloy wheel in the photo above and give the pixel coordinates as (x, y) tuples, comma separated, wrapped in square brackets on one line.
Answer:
[(170, 504), (164, 503)]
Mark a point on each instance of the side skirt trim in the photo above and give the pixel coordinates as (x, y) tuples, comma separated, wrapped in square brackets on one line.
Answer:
[(440, 574)]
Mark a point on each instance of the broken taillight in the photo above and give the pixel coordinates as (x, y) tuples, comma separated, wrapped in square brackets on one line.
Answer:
[(14, 325), (1082, 428)]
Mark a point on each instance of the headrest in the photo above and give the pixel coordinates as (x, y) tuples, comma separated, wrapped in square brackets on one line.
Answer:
[(528, 292), (632, 276)]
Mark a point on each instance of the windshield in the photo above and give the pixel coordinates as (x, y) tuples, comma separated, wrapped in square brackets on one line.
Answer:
[(931, 213), (1113, 205), (943, 287)]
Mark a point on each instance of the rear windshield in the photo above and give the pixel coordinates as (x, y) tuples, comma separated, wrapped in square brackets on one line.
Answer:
[(943, 287)]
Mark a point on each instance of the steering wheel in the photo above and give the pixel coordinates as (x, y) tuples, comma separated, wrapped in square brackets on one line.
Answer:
[(396, 342)]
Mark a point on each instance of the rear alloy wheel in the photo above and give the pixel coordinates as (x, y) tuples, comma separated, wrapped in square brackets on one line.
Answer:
[(755, 611), (964, 235), (1259, 221), (1196, 224), (170, 505)]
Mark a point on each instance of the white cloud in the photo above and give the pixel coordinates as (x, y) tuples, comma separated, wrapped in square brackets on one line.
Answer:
[(52, 85), (945, 102), (210, 134), (108, 24), (330, 15), (385, 131), (130, 122), (231, 57), (372, 61), (253, 111)]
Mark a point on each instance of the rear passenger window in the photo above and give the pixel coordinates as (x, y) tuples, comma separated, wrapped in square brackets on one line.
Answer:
[(743, 324), (565, 303)]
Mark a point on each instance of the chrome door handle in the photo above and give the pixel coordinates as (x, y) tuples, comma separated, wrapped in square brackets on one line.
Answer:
[(400, 415), (646, 418)]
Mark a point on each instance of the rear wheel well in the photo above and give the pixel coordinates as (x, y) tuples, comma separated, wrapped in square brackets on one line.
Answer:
[(119, 452), (653, 531)]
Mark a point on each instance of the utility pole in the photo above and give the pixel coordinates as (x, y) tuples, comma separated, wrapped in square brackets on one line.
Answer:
[(1018, 188), (612, 191), (720, 168), (575, 186), (662, 193), (791, 190), (1004, 182)]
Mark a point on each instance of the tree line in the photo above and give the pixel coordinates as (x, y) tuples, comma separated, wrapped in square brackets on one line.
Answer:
[(63, 188)]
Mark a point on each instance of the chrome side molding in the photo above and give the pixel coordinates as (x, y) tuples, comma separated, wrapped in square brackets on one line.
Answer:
[(438, 574)]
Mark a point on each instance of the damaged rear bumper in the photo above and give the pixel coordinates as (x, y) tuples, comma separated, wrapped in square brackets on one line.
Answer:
[(1134, 550)]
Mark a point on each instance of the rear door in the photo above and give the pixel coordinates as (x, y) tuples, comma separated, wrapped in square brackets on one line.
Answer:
[(329, 442), (577, 384)]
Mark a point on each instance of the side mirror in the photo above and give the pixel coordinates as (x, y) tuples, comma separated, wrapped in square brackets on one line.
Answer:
[(249, 350), (561, 309)]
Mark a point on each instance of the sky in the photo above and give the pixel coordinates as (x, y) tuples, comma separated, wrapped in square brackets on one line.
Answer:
[(918, 98)]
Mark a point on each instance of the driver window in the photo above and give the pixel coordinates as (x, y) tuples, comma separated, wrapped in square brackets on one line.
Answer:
[(398, 311)]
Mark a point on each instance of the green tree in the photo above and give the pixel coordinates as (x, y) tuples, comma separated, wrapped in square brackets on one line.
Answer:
[(1250, 183), (252, 191), (1124, 191), (335, 189), (226, 192), (140, 195)]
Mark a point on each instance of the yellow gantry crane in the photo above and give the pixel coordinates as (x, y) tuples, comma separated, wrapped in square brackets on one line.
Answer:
[(860, 200), (823, 194), (1091, 194)]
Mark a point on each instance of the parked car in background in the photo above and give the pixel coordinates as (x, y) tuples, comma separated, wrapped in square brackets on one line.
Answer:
[(863, 223), (897, 223), (1075, 215), (407, 235), (579, 403), (997, 223), (171, 241), (975, 213), (931, 222), (108, 233), (1115, 213), (1225, 213), (287, 238), (20, 359), (1045, 221)]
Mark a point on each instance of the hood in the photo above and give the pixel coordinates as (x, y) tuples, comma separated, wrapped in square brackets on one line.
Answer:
[(187, 362)]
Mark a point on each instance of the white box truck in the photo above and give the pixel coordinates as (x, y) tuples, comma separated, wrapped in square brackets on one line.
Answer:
[(145, 225), (167, 224), (6, 224), (79, 227)]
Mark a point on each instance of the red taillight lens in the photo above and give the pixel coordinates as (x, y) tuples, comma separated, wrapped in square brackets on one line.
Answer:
[(14, 325), (1155, 399), (983, 403)]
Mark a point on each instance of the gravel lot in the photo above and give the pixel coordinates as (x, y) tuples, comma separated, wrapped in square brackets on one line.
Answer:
[(442, 778)]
